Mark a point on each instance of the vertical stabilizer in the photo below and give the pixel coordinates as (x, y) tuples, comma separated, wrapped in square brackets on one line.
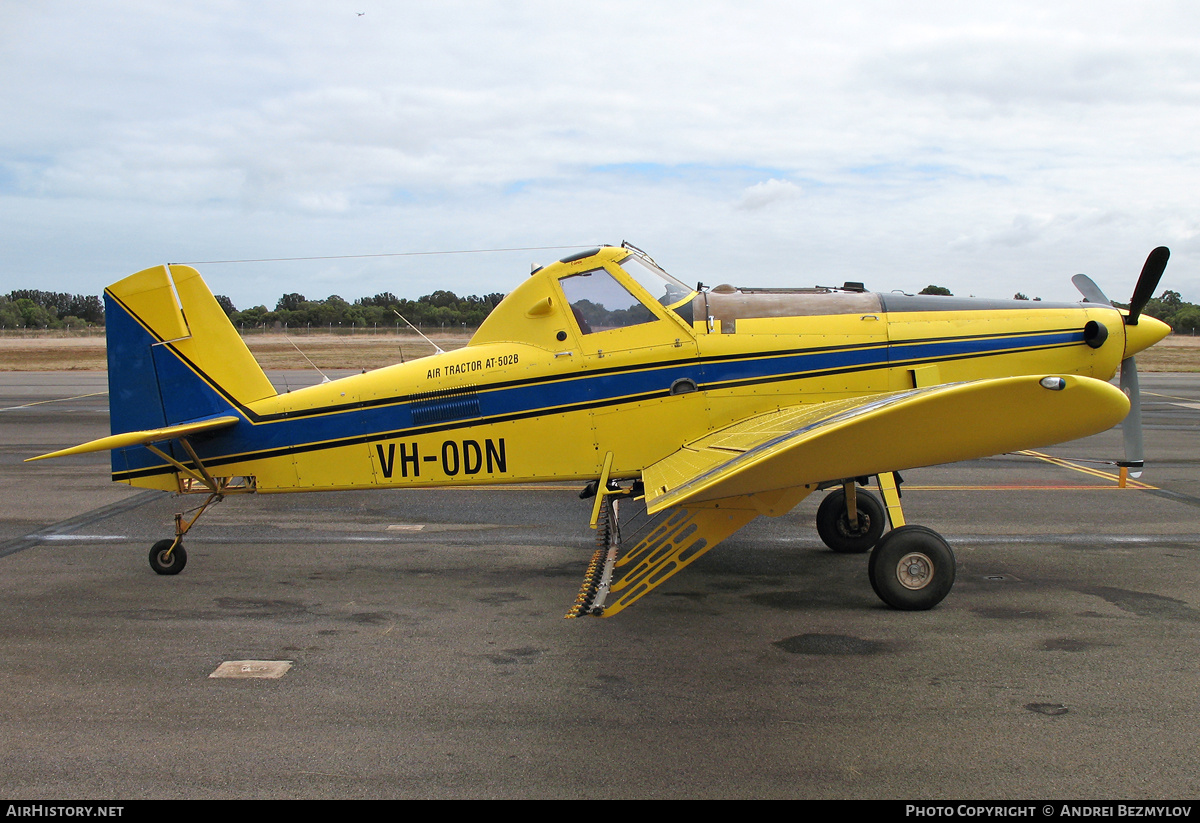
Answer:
[(173, 355)]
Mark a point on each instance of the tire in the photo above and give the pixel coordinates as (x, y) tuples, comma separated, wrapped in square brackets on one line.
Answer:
[(912, 568), (172, 565), (833, 524)]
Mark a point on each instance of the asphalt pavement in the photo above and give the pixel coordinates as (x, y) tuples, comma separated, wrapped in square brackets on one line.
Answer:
[(423, 650)]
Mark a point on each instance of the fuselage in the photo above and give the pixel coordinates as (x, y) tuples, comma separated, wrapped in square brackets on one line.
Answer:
[(564, 373)]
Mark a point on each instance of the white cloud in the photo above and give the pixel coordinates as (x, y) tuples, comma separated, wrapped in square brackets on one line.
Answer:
[(761, 195)]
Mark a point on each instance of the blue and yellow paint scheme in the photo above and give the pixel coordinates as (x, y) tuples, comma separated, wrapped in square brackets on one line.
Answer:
[(718, 404)]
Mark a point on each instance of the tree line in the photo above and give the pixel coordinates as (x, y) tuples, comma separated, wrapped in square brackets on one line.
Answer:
[(1173, 310), (441, 309), (33, 309)]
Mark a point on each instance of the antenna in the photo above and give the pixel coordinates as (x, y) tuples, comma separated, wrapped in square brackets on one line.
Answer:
[(625, 244), (436, 347), (324, 377)]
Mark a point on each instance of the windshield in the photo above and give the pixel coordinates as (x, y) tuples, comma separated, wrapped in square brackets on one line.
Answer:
[(662, 287)]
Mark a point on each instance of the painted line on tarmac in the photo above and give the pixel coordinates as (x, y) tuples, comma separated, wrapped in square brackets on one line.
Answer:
[(1070, 464), (1165, 494), (1018, 487), (63, 529), (1074, 539), (80, 538), (55, 400), (1169, 396), (1135, 485), (586, 542), (1178, 497)]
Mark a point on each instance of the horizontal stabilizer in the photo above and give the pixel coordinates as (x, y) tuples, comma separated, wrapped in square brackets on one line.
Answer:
[(819, 442), (141, 438)]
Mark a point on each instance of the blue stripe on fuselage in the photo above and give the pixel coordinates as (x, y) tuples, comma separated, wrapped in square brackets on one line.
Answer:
[(951, 349)]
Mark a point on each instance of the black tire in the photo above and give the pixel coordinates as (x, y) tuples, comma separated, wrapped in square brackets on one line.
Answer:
[(833, 524), (912, 568), (164, 565)]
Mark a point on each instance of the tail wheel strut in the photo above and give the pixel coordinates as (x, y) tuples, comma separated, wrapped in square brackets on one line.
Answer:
[(169, 556)]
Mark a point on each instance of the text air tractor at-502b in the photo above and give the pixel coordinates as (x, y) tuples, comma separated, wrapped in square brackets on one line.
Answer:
[(715, 406)]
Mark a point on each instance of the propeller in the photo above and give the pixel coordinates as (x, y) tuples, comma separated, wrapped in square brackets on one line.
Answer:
[(1147, 282)]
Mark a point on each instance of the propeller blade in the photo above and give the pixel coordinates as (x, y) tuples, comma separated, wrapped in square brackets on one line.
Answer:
[(1131, 429), (1152, 272), (1090, 291)]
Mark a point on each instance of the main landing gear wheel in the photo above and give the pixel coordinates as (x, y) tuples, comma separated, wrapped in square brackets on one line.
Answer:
[(833, 522), (165, 563), (912, 568)]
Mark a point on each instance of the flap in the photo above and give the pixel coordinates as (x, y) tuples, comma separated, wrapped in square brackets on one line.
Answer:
[(816, 442)]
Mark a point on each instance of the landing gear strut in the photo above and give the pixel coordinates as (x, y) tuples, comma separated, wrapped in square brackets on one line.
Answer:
[(169, 556), (838, 532)]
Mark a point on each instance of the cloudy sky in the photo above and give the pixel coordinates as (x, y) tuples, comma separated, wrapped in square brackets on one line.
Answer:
[(990, 149)]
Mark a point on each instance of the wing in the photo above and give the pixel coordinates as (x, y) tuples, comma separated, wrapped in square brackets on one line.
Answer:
[(812, 443), (118, 441)]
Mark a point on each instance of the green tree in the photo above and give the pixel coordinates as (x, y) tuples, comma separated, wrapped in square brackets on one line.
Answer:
[(10, 315), (290, 302), (84, 307), (250, 318), (1187, 319), (226, 305), (32, 315), (382, 300), (1164, 306), (931, 289)]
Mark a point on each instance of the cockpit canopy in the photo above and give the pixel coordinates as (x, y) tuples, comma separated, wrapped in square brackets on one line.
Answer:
[(595, 291)]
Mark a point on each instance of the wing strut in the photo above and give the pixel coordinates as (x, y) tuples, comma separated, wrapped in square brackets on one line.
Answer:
[(890, 490)]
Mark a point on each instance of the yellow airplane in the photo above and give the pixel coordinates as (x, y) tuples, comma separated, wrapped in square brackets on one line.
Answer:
[(712, 405)]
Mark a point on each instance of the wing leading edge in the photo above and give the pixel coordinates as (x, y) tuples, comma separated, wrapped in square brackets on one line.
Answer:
[(812, 443)]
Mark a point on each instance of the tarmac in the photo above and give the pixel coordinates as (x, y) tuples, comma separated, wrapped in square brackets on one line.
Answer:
[(429, 657)]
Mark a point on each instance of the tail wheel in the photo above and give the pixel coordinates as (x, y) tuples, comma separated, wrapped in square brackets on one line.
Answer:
[(165, 560), (912, 568), (833, 522)]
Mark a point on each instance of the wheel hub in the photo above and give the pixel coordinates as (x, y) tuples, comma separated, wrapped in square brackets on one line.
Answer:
[(864, 525), (914, 571)]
